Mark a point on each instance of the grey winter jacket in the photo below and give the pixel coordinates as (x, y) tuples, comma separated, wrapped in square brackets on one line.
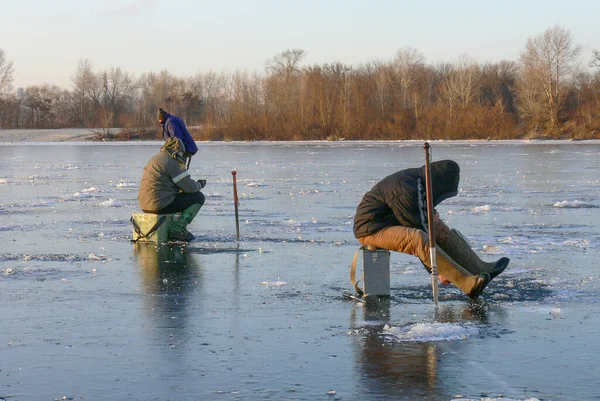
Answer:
[(400, 198), (165, 176)]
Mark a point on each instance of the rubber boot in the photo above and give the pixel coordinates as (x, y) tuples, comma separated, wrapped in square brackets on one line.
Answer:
[(471, 284), (416, 242), (179, 225), (459, 249)]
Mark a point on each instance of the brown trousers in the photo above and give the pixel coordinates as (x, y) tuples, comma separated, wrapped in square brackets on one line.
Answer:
[(408, 240), (415, 242)]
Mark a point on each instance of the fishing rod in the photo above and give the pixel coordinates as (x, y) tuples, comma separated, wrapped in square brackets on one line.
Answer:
[(432, 250)]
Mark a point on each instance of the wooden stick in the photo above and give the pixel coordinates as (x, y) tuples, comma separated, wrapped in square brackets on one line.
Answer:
[(235, 203)]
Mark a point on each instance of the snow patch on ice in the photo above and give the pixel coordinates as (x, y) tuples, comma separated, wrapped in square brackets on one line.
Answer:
[(308, 192), (93, 256), (578, 243), (411, 269), (81, 195), (481, 209), (111, 202), (42, 203), (491, 249), (573, 205), (126, 185), (256, 184), (426, 332)]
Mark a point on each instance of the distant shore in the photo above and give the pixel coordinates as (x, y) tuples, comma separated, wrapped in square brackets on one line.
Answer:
[(45, 135), (87, 135)]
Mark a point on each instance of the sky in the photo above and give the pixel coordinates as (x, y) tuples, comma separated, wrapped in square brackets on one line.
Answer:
[(45, 38)]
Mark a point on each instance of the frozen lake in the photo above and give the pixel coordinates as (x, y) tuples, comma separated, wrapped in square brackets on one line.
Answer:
[(88, 315)]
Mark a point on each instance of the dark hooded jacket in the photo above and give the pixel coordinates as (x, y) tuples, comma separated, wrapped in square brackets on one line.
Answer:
[(400, 198), (174, 126)]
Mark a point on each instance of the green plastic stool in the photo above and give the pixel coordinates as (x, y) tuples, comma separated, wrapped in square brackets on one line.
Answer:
[(149, 227)]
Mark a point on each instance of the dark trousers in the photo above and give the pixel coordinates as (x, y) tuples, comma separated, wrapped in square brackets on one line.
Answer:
[(182, 201)]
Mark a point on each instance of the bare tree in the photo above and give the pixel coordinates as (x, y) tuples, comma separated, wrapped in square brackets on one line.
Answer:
[(347, 95), (460, 84), (117, 90), (6, 73), (7, 103), (325, 83), (284, 87), (467, 75), (407, 63), (44, 106), (497, 83), (424, 90), (382, 88), (85, 85), (286, 62), (448, 90), (211, 88), (596, 59), (549, 63)]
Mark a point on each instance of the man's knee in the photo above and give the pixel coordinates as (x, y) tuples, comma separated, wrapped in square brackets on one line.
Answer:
[(200, 199), (421, 239), (416, 243)]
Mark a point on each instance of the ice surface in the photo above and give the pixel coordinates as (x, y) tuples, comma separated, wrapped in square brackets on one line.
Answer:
[(203, 319)]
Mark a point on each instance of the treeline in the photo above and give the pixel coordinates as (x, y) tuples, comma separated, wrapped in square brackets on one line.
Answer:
[(547, 93)]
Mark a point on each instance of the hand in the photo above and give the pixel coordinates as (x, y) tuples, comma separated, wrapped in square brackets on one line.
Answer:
[(202, 183), (443, 280)]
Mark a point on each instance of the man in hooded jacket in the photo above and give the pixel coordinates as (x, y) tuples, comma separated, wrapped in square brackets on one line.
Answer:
[(174, 127), (167, 188), (393, 216)]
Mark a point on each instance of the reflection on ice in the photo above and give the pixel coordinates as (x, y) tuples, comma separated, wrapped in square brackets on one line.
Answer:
[(277, 283), (429, 332)]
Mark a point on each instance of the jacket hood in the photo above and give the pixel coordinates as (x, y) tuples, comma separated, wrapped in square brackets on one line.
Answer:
[(445, 176), (175, 148)]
